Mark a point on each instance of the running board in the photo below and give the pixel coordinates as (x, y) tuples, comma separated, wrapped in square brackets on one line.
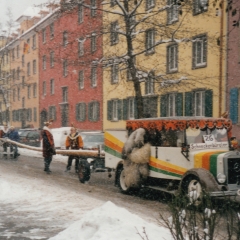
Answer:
[(174, 192)]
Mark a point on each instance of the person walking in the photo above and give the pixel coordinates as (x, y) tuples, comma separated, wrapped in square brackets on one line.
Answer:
[(13, 135), (3, 133), (73, 141), (48, 146)]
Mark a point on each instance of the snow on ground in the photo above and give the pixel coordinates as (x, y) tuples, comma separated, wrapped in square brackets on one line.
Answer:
[(111, 222)]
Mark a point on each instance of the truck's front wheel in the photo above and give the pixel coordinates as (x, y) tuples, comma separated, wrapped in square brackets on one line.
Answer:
[(84, 171)]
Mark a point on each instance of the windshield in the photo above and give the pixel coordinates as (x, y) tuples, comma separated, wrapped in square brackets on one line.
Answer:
[(206, 136), (93, 138)]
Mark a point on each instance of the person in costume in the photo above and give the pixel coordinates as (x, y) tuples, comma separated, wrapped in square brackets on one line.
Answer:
[(48, 146), (13, 135), (73, 141)]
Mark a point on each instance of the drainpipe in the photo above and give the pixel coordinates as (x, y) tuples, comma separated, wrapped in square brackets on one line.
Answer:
[(220, 60)]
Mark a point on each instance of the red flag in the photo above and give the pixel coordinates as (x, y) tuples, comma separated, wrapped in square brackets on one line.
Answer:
[(25, 48)]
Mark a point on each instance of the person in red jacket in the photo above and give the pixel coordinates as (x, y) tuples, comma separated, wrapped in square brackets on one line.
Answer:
[(48, 145), (73, 141)]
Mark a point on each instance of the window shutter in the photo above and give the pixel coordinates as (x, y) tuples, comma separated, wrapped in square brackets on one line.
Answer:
[(125, 109), (163, 105), (194, 45), (120, 110), (153, 104), (189, 104), (77, 111), (204, 49), (168, 59), (98, 111), (109, 110), (208, 103), (90, 111), (179, 104), (135, 109), (84, 110), (234, 105)]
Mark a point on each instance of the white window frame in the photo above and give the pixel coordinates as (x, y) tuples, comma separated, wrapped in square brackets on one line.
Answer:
[(172, 58), (131, 108), (115, 73), (52, 59), (199, 43), (44, 64), (52, 86), (94, 76), (34, 66), (93, 42), (172, 14), (65, 38), (150, 41), (82, 112), (115, 110), (199, 103), (65, 65), (80, 47), (44, 88), (65, 94), (149, 86), (94, 111), (80, 13), (171, 105), (114, 36), (93, 8)]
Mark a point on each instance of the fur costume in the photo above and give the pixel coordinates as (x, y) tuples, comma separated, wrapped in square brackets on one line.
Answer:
[(74, 141), (136, 154)]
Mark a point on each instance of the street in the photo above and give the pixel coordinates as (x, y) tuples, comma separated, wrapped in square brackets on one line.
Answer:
[(45, 218)]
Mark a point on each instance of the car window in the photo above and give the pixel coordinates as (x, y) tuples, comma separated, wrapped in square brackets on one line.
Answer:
[(33, 135), (24, 133), (93, 138)]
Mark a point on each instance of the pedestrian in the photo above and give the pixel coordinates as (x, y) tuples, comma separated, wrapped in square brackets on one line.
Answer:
[(3, 133), (73, 141), (48, 145), (13, 135)]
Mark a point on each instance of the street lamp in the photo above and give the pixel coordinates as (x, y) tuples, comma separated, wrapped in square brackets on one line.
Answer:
[(204, 4)]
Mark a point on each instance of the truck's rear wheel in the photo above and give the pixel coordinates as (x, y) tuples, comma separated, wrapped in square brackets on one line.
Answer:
[(121, 182), (84, 171), (194, 191)]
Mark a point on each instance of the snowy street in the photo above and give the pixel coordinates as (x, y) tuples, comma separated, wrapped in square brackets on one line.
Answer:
[(34, 205)]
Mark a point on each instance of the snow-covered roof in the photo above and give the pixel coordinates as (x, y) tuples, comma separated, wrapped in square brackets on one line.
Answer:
[(29, 13)]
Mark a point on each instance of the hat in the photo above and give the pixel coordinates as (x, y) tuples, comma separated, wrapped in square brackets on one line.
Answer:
[(49, 122)]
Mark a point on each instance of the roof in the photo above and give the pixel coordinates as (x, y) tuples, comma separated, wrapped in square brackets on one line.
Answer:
[(178, 123), (29, 13)]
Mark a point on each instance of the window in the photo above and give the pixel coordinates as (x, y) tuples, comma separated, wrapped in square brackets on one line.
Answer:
[(18, 51), (28, 69), (172, 105), (199, 6), (14, 95), (23, 61), (93, 42), (44, 62), (34, 114), (150, 106), (94, 76), (18, 94), (51, 59), (34, 66), (200, 51), (23, 81), (52, 112), (131, 108), (115, 110), (65, 38), (172, 58), (34, 41), (52, 30), (150, 41), (18, 73), (13, 74), (93, 8), (80, 13), (172, 12), (113, 3), (23, 102), (52, 86), (80, 47), (81, 80), (44, 35), (65, 72), (149, 85), (114, 73), (199, 104), (81, 112), (29, 91), (34, 90), (93, 111), (150, 4), (114, 33), (65, 94), (29, 114), (28, 43), (44, 88)]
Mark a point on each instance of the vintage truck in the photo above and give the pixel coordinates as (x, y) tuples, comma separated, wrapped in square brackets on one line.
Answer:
[(188, 154)]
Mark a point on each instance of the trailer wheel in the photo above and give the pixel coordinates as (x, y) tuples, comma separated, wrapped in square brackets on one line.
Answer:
[(84, 171)]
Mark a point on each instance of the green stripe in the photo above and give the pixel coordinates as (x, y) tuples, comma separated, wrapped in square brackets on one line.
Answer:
[(213, 164), (164, 172), (113, 152)]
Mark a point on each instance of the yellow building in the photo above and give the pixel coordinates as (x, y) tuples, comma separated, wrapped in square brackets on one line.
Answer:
[(180, 60)]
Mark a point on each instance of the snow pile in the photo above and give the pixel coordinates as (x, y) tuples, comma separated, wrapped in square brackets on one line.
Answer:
[(111, 222)]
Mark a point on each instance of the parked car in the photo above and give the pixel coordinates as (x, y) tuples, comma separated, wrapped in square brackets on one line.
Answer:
[(59, 136), (30, 136)]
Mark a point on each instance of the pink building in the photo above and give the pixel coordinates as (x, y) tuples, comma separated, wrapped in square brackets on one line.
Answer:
[(70, 87), (233, 69)]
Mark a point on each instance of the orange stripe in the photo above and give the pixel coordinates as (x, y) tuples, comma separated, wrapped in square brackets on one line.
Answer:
[(206, 159), (157, 165), (113, 145)]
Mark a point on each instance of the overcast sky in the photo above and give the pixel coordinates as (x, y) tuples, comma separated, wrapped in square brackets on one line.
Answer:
[(17, 7)]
